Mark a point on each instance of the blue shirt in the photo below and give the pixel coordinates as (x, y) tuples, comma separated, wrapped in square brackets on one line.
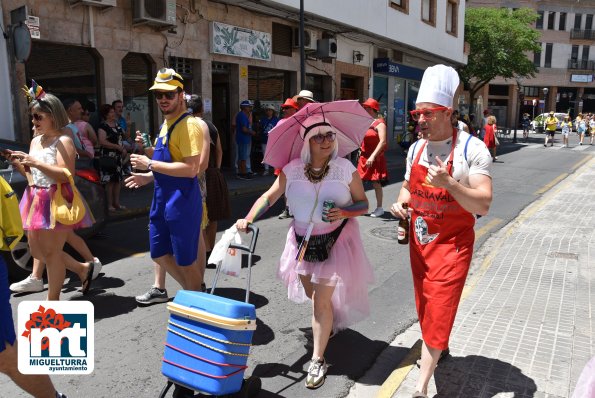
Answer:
[(267, 125), (123, 124), (242, 121)]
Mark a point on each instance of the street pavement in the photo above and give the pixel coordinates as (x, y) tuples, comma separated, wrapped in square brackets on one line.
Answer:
[(525, 326)]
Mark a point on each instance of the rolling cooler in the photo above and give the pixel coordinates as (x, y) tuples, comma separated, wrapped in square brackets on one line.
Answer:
[(208, 341)]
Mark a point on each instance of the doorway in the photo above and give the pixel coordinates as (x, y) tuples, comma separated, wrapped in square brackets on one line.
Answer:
[(222, 111)]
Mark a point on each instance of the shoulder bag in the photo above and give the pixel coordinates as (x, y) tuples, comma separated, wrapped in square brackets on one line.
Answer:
[(64, 212)]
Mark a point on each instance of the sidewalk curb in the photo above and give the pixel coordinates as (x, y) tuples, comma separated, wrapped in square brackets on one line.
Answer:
[(484, 258)]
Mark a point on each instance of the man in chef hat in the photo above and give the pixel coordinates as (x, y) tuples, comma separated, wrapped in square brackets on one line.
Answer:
[(447, 183)]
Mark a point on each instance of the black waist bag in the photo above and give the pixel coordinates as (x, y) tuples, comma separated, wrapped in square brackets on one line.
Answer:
[(319, 246)]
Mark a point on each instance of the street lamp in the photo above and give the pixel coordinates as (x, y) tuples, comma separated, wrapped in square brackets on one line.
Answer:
[(545, 91)]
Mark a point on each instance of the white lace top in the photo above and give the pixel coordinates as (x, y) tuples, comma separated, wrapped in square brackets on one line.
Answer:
[(301, 193), (46, 155)]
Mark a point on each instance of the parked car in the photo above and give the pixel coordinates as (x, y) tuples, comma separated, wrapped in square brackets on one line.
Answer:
[(538, 124), (19, 260)]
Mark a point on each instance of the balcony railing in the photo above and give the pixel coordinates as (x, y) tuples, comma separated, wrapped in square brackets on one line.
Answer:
[(582, 34), (578, 64)]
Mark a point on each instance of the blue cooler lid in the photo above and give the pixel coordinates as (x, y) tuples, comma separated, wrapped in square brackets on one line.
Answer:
[(216, 305)]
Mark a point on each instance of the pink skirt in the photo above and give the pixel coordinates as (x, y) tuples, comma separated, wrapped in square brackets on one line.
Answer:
[(347, 269), (35, 208)]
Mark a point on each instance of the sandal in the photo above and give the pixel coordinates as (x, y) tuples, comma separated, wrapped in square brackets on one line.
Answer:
[(87, 282), (120, 208), (418, 394)]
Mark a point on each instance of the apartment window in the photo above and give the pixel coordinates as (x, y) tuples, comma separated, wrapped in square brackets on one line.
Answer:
[(401, 5), (428, 11), (551, 19), (282, 44), (586, 53), (452, 11), (589, 22), (562, 24), (537, 58), (574, 53), (539, 22), (577, 20), (548, 55)]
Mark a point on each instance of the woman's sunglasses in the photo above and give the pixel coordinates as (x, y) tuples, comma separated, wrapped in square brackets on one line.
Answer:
[(319, 138), (38, 117), (170, 95), (428, 113)]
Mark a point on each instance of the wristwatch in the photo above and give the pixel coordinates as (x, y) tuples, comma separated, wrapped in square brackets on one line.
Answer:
[(150, 165)]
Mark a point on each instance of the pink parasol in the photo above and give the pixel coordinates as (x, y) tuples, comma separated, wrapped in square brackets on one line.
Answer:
[(349, 119)]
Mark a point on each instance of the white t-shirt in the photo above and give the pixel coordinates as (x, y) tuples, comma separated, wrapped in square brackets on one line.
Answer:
[(478, 159), (301, 193)]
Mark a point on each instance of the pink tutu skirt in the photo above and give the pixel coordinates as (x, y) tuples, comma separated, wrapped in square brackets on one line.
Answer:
[(347, 269), (35, 208)]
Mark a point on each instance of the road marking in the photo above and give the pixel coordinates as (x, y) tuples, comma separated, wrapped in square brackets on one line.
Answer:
[(580, 147), (394, 381), (579, 163), (549, 185), (397, 376), (483, 230)]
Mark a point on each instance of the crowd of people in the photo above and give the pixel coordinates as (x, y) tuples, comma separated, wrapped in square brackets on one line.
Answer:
[(446, 184)]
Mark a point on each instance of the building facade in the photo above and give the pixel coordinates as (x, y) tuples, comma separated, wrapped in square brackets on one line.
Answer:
[(101, 50), (564, 81)]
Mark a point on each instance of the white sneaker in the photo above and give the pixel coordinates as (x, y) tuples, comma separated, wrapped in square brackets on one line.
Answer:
[(378, 212), (96, 268), (27, 285), (316, 373)]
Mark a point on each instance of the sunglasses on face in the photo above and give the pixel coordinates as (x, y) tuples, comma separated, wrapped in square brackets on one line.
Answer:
[(428, 113), (38, 117), (170, 95), (319, 138)]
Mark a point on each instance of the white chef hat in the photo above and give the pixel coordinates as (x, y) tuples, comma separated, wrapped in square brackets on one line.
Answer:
[(438, 85)]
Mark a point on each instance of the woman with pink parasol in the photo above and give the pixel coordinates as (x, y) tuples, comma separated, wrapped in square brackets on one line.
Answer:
[(324, 258)]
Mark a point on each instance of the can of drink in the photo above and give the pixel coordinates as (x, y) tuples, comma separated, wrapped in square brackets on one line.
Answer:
[(146, 140), (326, 206)]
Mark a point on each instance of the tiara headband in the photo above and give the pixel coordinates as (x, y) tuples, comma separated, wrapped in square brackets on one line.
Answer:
[(35, 92)]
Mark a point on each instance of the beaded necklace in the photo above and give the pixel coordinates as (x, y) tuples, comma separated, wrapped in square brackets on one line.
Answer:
[(315, 176)]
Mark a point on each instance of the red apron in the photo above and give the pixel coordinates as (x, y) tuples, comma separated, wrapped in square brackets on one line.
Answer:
[(441, 249)]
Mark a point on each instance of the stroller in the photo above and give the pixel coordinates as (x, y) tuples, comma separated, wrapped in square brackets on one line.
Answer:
[(209, 339)]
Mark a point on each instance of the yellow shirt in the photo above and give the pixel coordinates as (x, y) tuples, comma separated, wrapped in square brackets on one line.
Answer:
[(185, 140), (551, 123)]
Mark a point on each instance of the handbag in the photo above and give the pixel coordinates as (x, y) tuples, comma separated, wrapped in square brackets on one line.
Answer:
[(319, 246), (64, 212)]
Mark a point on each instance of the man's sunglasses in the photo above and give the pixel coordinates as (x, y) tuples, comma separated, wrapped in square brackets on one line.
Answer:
[(38, 117), (319, 138), (170, 95), (428, 113)]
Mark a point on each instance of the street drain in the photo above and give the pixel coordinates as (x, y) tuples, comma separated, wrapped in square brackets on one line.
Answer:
[(567, 256), (388, 233)]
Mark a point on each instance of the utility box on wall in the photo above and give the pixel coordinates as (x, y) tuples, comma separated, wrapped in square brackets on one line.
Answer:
[(326, 48)]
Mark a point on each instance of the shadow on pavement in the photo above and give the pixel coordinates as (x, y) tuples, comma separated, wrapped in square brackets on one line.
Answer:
[(478, 376), (107, 304)]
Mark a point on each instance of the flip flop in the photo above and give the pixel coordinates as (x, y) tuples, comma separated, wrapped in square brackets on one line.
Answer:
[(88, 280)]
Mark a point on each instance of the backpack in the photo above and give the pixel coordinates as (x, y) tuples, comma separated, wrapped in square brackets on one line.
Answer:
[(11, 225)]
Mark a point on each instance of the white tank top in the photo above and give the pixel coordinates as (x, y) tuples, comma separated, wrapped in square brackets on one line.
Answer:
[(46, 155)]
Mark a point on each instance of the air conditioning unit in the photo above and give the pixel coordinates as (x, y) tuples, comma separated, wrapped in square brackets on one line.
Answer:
[(309, 39), (160, 13), (326, 48), (94, 3)]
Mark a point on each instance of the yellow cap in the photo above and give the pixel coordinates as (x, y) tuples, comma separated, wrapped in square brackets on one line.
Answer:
[(167, 79)]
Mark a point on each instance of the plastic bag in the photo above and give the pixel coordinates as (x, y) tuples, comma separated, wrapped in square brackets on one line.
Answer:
[(220, 250), (232, 262)]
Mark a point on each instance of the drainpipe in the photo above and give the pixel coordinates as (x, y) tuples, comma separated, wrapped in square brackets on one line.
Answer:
[(91, 31)]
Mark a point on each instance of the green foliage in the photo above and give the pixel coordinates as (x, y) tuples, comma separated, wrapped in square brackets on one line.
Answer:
[(501, 44)]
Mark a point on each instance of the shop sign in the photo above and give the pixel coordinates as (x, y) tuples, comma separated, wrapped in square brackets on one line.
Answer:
[(581, 78), (387, 67), (240, 42)]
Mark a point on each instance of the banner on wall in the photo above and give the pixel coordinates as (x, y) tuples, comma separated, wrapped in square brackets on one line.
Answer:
[(240, 42)]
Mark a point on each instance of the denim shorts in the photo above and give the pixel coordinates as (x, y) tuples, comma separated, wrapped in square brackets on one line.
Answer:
[(243, 151)]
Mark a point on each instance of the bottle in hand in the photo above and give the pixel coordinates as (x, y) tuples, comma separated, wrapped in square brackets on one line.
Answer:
[(403, 228)]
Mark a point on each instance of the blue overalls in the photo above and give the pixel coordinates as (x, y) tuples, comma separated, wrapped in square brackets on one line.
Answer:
[(176, 210)]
